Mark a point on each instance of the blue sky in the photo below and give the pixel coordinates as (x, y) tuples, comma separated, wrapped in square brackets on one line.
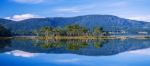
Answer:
[(20, 9)]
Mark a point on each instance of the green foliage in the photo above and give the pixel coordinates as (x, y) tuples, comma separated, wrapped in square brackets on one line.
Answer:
[(76, 29), (4, 32), (98, 31), (47, 30), (70, 30)]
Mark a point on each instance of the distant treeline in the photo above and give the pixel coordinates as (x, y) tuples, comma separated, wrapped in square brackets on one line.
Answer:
[(4, 32)]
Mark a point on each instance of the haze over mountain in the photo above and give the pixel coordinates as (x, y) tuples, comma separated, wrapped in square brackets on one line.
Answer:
[(108, 22)]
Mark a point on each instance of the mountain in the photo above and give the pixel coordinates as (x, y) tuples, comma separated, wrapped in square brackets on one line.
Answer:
[(108, 22)]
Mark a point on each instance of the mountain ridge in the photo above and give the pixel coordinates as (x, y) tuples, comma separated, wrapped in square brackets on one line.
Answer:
[(75, 16), (108, 22)]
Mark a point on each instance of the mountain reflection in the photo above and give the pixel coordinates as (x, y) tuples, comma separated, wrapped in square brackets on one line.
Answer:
[(80, 47)]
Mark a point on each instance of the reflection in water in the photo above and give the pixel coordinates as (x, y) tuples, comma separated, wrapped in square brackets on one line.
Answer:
[(27, 52), (69, 44), (21, 53), (80, 47), (4, 44), (141, 52)]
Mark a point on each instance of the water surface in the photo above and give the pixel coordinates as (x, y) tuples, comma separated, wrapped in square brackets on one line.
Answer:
[(115, 52)]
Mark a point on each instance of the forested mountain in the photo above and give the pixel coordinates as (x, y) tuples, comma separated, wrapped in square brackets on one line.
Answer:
[(108, 22)]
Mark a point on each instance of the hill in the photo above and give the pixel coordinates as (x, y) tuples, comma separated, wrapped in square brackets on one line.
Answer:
[(108, 22)]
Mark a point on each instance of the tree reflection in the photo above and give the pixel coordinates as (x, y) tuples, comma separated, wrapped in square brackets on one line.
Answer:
[(76, 45), (4, 44), (99, 43), (70, 44)]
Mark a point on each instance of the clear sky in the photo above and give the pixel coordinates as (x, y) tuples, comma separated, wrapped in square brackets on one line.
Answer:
[(19, 9)]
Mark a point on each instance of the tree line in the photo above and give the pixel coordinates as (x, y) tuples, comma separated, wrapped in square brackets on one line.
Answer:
[(4, 32), (70, 30)]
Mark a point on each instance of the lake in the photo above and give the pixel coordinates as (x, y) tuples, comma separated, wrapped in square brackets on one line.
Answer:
[(112, 52)]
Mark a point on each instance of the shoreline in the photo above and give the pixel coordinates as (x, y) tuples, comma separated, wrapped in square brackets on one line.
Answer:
[(80, 37)]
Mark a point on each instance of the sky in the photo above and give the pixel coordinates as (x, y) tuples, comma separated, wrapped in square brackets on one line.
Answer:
[(24, 9)]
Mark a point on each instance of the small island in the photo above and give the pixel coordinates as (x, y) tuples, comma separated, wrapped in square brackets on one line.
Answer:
[(73, 31)]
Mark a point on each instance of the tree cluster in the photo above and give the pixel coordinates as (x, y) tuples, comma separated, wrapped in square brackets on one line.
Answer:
[(70, 30)]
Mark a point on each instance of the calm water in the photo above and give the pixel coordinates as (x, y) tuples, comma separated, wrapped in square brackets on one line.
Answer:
[(25, 52)]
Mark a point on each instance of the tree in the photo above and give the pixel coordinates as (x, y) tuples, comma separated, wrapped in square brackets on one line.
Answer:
[(4, 32), (57, 31), (72, 29), (84, 30), (47, 30), (76, 30), (36, 32), (98, 31)]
